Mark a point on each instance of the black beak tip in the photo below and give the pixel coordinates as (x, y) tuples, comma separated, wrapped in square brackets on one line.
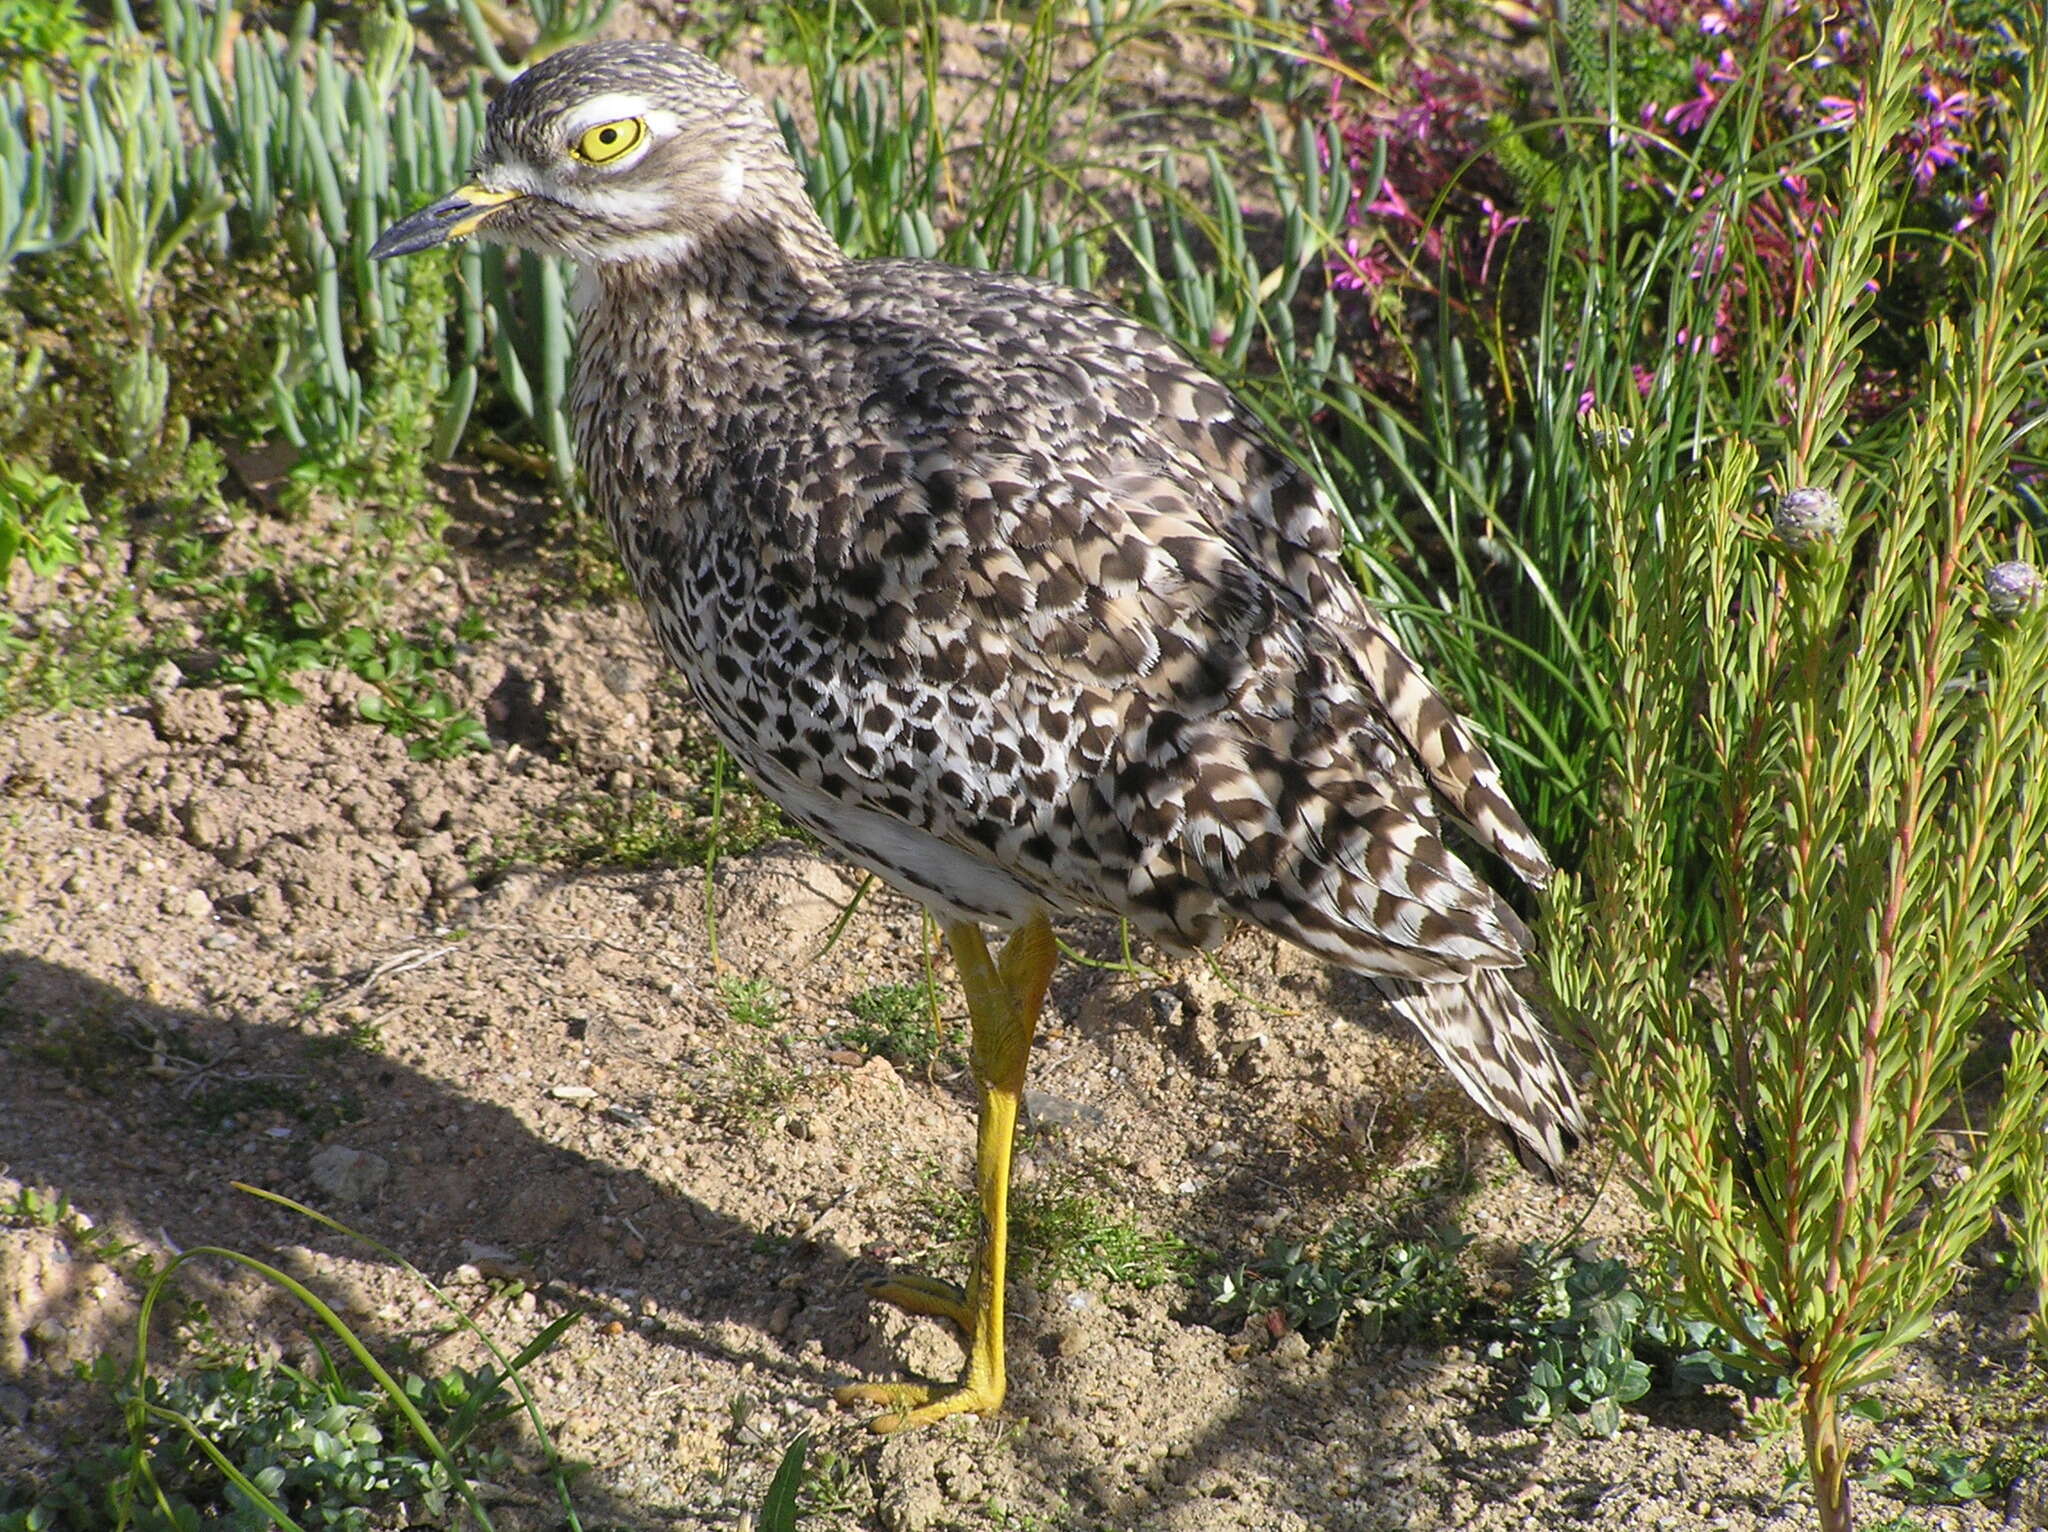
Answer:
[(423, 230)]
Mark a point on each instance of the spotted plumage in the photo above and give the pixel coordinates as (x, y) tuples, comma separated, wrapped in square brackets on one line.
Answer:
[(992, 588)]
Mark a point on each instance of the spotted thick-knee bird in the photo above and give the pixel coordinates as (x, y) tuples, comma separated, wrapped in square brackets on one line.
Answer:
[(1002, 596)]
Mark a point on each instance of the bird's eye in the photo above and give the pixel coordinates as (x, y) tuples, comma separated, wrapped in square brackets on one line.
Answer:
[(608, 140)]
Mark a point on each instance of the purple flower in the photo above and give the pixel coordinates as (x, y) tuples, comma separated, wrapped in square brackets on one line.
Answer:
[(1360, 270), (1951, 110), (1929, 149)]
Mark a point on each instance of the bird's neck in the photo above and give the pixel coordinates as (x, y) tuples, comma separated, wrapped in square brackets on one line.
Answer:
[(668, 348), (757, 263)]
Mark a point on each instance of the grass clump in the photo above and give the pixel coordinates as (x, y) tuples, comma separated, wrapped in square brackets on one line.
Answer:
[(751, 1002), (698, 810), (1064, 1229), (749, 1090), (898, 1022), (1065, 1232)]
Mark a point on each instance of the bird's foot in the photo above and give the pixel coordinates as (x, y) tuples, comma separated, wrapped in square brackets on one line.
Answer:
[(980, 1389), (922, 1404)]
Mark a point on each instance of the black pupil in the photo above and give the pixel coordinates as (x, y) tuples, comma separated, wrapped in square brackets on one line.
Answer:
[(608, 136)]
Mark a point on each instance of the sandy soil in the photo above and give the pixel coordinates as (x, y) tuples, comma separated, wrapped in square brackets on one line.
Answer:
[(209, 898)]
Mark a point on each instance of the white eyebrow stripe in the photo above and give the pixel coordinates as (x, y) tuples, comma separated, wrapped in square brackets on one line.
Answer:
[(612, 106)]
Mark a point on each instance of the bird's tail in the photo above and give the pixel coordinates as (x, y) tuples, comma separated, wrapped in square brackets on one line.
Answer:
[(1500, 1049)]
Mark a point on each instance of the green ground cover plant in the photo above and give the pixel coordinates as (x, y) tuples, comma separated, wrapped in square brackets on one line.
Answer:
[(247, 1444)]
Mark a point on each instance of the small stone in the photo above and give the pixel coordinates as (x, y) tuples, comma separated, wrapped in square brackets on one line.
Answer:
[(353, 1175), (1291, 1347), (2012, 588), (193, 717), (1807, 517), (424, 814), (165, 679), (1049, 1111)]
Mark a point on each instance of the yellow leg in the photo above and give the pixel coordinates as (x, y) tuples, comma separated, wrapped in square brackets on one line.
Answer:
[(1003, 1000)]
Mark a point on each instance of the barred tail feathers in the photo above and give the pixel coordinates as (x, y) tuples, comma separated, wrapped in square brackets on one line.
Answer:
[(1500, 1050)]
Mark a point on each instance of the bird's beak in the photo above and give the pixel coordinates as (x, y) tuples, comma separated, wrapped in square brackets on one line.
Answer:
[(456, 215)]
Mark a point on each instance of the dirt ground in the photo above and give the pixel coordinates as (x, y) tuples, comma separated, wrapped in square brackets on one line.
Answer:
[(240, 934)]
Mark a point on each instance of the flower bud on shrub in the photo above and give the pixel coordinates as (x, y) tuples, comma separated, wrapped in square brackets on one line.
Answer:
[(1805, 518), (2012, 588)]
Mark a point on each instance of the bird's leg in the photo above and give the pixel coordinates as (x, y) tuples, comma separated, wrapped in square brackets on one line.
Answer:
[(1003, 1000)]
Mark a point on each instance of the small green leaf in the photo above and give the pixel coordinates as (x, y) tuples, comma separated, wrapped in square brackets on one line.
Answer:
[(779, 1510)]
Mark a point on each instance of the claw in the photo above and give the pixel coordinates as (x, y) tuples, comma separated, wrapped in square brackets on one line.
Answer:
[(919, 1404), (930, 1296)]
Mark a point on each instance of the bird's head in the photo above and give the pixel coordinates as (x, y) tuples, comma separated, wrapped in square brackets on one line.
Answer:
[(616, 152)]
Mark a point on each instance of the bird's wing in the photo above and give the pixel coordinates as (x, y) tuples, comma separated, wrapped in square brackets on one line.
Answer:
[(1166, 719), (1266, 506)]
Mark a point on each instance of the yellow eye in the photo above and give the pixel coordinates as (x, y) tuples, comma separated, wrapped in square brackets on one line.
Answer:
[(608, 140)]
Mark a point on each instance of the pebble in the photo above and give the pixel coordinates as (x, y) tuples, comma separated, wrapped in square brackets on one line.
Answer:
[(2026, 1503), (1049, 1111), (353, 1175)]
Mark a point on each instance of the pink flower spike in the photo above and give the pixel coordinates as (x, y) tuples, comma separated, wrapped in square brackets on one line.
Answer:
[(1838, 111), (1497, 225), (1359, 270), (1951, 110), (1691, 116), (1391, 204), (1586, 402)]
